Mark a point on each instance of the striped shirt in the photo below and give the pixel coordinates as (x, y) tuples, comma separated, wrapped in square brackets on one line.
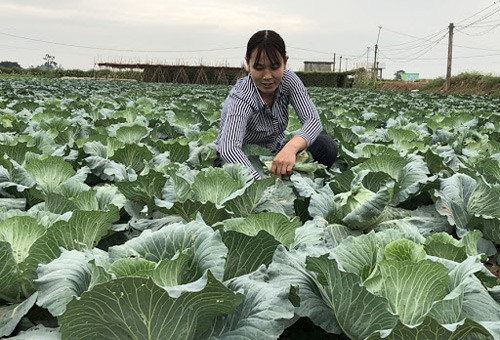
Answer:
[(247, 119)]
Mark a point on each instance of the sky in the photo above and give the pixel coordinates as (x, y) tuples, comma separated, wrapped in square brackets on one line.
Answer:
[(412, 35)]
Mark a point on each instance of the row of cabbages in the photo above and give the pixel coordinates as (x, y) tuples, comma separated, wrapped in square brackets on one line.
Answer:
[(113, 225)]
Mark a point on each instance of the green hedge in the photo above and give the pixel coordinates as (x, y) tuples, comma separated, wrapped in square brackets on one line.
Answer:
[(326, 79)]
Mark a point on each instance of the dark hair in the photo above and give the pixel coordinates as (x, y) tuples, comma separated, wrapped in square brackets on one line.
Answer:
[(270, 43)]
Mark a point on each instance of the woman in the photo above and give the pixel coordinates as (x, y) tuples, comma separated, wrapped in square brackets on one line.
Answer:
[(256, 111)]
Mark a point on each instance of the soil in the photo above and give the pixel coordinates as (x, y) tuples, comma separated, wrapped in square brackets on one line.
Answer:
[(402, 86), (457, 87), (465, 87)]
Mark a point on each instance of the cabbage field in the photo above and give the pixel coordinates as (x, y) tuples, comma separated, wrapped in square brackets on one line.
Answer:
[(114, 225)]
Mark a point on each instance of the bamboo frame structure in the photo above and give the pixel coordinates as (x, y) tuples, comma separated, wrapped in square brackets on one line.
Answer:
[(184, 74)]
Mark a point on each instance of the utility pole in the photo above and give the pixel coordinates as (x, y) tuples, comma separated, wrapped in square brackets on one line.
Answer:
[(334, 56), (375, 68), (447, 83), (346, 62), (340, 64), (367, 56)]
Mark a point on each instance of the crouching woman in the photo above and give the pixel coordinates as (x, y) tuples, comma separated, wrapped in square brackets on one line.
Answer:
[(256, 111)]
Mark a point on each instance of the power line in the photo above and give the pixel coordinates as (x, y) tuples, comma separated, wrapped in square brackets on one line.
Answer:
[(480, 33), (485, 26), (327, 53), (426, 38), (476, 48), (408, 49), (491, 21), (430, 36), (120, 50), (478, 56), (308, 50), (483, 17), (20, 48), (424, 51), (486, 23), (361, 56), (427, 42), (434, 59), (473, 15), (156, 51)]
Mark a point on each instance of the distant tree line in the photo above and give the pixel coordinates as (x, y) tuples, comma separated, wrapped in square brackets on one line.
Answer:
[(49, 64), (397, 75), (10, 64)]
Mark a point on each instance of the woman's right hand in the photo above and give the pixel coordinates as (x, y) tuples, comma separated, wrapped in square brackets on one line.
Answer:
[(283, 162)]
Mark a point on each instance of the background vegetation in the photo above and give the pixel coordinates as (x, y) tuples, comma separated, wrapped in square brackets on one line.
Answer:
[(327, 79), (58, 73), (472, 83), (467, 83)]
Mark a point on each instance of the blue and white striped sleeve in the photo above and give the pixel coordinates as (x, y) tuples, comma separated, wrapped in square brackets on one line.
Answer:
[(306, 111), (233, 133)]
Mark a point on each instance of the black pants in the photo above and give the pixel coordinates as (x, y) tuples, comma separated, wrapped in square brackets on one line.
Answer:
[(324, 150)]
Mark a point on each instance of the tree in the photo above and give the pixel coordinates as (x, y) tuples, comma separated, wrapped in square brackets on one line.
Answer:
[(50, 63), (398, 74), (10, 64)]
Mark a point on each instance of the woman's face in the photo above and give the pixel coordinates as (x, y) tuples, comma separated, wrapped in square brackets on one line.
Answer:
[(265, 74)]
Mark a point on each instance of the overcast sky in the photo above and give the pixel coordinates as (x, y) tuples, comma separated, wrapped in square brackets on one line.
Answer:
[(81, 33)]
